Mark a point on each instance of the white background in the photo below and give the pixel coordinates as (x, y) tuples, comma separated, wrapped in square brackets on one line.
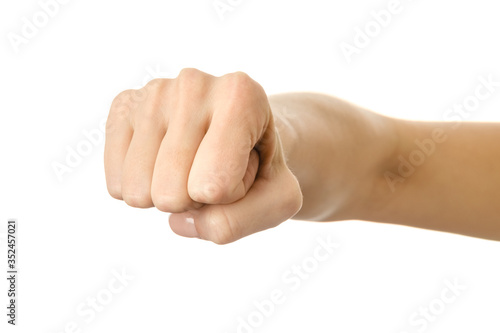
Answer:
[(73, 234)]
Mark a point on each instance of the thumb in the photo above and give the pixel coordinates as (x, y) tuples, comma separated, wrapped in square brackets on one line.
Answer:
[(270, 201)]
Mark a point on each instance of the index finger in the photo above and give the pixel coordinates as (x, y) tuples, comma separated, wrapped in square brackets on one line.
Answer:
[(222, 160)]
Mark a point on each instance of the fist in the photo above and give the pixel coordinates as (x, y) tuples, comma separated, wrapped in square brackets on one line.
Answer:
[(205, 149)]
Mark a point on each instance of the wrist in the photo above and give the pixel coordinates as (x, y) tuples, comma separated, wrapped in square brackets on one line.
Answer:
[(337, 150), (377, 141), (392, 141)]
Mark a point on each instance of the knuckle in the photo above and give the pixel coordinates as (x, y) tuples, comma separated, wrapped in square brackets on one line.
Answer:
[(156, 83), (239, 82), (189, 75), (151, 91), (155, 88), (122, 97), (170, 203), (137, 199), (240, 78), (218, 228), (245, 99), (135, 97), (190, 86), (122, 103), (211, 192), (115, 191), (154, 97), (135, 195)]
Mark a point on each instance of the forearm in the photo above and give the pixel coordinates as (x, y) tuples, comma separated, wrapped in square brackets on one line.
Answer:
[(355, 164), (443, 176)]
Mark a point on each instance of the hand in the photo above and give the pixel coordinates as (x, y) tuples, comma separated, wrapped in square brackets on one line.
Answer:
[(205, 149)]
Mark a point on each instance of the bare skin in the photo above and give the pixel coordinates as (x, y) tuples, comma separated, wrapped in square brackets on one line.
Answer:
[(228, 161)]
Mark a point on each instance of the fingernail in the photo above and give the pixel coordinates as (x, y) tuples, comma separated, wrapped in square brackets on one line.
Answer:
[(189, 220), (189, 224), (183, 224)]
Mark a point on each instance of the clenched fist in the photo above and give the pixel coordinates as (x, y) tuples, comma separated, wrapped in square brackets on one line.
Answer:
[(205, 149)]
